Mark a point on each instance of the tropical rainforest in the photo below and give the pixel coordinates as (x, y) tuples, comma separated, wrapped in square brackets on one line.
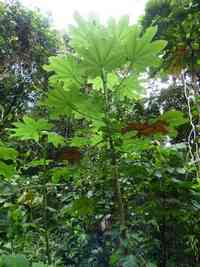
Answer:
[(99, 139)]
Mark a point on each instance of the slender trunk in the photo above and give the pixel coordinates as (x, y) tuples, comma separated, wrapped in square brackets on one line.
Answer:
[(117, 187), (163, 256), (45, 205), (163, 241), (115, 174), (46, 232)]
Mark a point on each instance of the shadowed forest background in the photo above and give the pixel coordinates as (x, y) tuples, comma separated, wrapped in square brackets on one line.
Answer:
[(99, 139)]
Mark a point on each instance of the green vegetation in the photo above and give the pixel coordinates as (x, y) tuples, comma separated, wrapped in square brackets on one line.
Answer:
[(99, 148)]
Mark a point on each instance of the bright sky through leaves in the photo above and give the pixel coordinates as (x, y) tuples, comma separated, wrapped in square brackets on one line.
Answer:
[(62, 10)]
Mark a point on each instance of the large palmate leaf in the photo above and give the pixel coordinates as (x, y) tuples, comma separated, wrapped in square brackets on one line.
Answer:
[(63, 103), (30, 128), (109, 47), (66, 69), (130, 88), (119, 28), (90, 106), (57, 102), (98, 46), (141, 51)]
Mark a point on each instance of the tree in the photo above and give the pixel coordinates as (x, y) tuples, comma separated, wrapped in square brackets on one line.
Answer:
[(26, 42), (178, 22)]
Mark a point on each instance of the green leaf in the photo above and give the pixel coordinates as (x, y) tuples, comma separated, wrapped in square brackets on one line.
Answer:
[(58, 173), (90, 107), (141, 51), (14, 261), (149, 34), (83, 206), (174, 118), (38, 162), (63, 102), (112, 80), (7, 153), (150, 264), (183, 184), (7, 170), (80, 141), (135, 144), (130, 261), (57, 102), (119, 29), (97, 83), (114, 259), (30, 128), (56, 139), (97, 45), (130, 88), (130, 43), (66, 69), (40, 264)]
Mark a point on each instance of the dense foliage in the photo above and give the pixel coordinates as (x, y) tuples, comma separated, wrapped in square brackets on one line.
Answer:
[(26, 42), (99, 166)]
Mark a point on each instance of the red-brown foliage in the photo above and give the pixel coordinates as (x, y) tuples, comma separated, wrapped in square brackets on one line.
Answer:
[(71, 154), (147, 129)]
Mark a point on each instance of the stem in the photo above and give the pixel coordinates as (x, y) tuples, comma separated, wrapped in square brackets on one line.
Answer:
[(163, 256), (45, 215), (116, 183), (46, 234)]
